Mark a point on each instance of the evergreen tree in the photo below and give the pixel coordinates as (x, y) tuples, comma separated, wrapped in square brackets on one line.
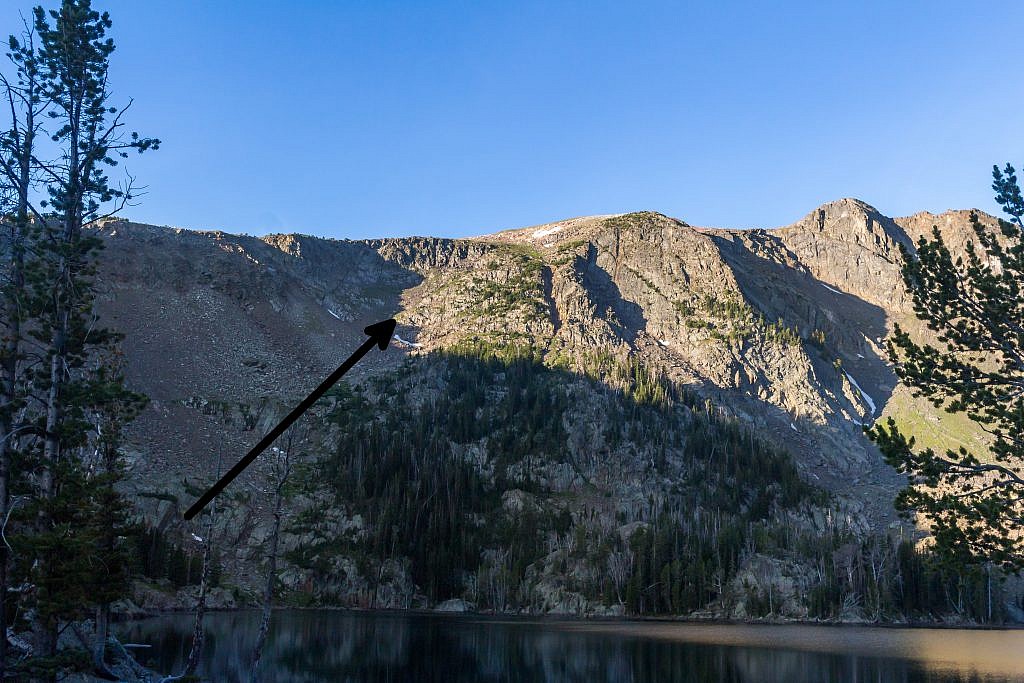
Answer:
[(60, 396), (974, 501), (109, 524)]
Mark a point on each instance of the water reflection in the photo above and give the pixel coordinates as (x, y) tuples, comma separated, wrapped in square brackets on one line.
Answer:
[(352, 646)]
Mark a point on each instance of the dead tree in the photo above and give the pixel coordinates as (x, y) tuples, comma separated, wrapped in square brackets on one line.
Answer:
[(281, 463)]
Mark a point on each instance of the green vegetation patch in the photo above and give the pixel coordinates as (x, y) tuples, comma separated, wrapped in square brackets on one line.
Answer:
[(430, 477)]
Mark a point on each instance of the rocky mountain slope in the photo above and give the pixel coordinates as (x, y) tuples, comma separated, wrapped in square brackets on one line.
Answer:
[(781, 329)]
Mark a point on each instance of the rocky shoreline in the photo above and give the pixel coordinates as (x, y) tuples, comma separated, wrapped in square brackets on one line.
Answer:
[(128, 611)]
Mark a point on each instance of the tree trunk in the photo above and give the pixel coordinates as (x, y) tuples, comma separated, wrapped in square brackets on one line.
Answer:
[(44, 628), (99, 653), (11, 350), (7, 436), (198, 634), (107, 547), (268, 591)]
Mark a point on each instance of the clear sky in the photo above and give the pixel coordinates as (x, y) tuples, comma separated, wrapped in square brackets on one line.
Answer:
[(381, 118)]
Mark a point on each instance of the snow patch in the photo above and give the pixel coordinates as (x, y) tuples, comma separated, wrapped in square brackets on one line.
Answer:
[(334, 314), (793, 427), (545, 233), (410, 344), (863, 394), (831, 289), (859, 356), (663, 342)]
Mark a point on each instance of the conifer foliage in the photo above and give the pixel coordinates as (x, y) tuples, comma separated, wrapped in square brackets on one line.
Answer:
[(974, 501), (483, 488), (64, 400)]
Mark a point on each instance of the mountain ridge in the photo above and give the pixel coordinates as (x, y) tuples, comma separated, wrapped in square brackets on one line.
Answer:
[(782, 329), (822, 245)]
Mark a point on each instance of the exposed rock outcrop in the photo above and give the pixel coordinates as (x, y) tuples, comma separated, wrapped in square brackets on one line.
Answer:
[(782, 328)]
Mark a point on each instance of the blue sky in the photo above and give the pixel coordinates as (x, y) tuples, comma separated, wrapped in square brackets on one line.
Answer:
[(360, 119)]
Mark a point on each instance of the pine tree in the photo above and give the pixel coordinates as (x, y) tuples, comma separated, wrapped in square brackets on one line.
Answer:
[(64, 349), (110, 521), (974, 501)]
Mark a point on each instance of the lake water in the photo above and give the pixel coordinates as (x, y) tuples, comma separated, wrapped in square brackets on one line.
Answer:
[(385, 646)]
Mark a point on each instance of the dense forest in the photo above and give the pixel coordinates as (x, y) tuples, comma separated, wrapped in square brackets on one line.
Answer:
[(464, 474)]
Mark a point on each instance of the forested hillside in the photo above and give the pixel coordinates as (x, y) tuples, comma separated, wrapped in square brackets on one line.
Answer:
[(604, 415), (482, 475)]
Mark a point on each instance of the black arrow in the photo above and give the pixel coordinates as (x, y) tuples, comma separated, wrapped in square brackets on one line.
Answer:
[(380, 334)]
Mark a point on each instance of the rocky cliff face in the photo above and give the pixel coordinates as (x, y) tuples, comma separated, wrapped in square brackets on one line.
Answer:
[(783, 329)]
